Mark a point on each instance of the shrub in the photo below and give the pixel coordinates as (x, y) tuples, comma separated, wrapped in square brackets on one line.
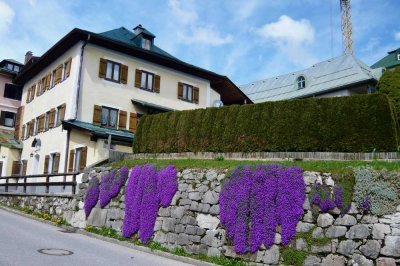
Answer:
[(377, 191), (321, 196), (254, 202), (111, 185), (91, 196), (344, 124), (389, 84)]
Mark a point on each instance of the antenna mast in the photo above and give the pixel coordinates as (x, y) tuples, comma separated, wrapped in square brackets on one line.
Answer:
[(347, 28)]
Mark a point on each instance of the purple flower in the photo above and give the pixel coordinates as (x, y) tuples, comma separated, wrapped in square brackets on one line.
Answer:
[(167, 184), (91, 196), (326, 205), (131, 220), (111, 185), (366, 203), (316, 199), (338, 196)]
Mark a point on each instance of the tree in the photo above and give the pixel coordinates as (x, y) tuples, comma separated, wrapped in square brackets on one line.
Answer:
[(390, 84)]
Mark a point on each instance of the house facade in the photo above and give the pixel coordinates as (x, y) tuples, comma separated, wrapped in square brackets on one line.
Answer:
[(341, 76), (86, 94)]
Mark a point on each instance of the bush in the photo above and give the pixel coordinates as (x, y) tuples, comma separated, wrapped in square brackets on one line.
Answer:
[(377, 191), (345, 124), (389, 84)]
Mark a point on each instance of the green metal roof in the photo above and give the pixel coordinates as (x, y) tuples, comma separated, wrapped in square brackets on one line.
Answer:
[(128, 37), (98, 131), (7, 139), (389, 61)]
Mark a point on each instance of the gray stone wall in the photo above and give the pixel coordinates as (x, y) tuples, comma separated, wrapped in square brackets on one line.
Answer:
[(192, 222)]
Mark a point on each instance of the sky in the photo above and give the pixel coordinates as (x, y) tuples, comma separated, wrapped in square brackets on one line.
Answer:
[(245, 40)]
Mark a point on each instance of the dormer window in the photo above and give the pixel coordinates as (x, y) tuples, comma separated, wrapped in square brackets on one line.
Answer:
[(301, 82), (398, 57), (146, 44)]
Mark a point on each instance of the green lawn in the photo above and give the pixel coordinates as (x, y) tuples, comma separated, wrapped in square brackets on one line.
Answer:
[(321, 166)]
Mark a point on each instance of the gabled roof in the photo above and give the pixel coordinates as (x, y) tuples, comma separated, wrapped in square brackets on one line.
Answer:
[(13, 61), (389, 61), (7, 139), (115, 40), (99, 132), (329, 75)]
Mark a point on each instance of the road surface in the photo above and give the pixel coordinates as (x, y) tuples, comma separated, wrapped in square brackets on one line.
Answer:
[(24, 241)]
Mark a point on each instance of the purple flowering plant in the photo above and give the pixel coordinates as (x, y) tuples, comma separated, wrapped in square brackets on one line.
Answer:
[(321, 196), (111, 184), (145, 191), (254, 202), (91, 196), (365, 204)]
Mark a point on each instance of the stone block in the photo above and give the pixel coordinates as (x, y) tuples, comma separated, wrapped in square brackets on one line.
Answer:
[(334, 260), (191, 230), (207, 221), (169, 224), (214, 209), (179, 228), (347, 247), (325, 220), (391, 247), (358, 259), (336, 231), (371, 249), (385, 262), (213, 252), (196, 196), (346, 220), (312, 261), (380, 230), (177, 212), (210, 197), (325, 249), (97, 217), (214, 238), (359, 231), (183, 239)]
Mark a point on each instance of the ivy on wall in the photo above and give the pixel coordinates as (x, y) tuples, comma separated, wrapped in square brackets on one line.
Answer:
[(254, 202)]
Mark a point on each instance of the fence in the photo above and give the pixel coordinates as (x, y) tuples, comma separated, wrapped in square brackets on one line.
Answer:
[(47, 184)]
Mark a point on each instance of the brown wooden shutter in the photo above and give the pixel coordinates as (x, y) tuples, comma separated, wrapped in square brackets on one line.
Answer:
[(157, 83), (57, 78), (180, 90), (124, 74), (33, 92), (62, 112), (15, 168), (196, 95), (32, 127), (38, 88), (68, 67), (122, 120), (82, 163), (41, 122), (132, 122), (22, 137), (17, 125), (56, 163), (28, 97), (48, 79), (24, 166), (102, 68), (46, 165), (71, 161), (52, 117), (138, 78), (97, 115)]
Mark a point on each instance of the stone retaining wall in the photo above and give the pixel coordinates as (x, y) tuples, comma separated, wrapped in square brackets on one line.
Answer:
[(192, 222)]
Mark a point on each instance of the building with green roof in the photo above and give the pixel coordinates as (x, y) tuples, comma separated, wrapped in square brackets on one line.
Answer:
[(391, 61)]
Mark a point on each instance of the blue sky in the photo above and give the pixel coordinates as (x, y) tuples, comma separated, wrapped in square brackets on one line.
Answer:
[(245, 40)]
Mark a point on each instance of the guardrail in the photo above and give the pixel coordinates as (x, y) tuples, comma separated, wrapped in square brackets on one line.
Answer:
[(47, 184)]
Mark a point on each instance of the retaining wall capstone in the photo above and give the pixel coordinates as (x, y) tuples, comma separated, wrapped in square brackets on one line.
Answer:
[(192, 222)]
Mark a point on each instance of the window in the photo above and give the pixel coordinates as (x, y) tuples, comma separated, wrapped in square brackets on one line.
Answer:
[(54, 163), (16, 68), (47, 121), (36, 129), (113, 70), (301, 82), (398, 57), (109, 117), (42, 86), (7, 119), (187, 93), (12, 91), (60, 114), (10, 66), (146, 44), (147, 81)]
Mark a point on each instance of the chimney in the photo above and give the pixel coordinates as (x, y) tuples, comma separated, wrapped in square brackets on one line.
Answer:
[(28, 57), (138, 29)]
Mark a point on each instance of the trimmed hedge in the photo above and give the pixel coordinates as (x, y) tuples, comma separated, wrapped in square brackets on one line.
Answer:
[(361, 123)]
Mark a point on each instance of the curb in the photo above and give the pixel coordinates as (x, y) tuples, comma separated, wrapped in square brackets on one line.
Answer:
[(114, 241)]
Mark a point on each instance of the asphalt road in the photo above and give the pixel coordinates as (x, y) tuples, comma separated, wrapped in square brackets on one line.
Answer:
[(22, 238)]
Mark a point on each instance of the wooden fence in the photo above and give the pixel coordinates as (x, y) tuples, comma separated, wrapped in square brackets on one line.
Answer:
[(47, 184)]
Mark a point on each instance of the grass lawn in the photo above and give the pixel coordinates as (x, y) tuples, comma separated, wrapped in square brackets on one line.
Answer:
[(320, 166)]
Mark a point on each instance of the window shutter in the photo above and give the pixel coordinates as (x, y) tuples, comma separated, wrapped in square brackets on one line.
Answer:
[(58, 74), (132, 122), (33, 92), (62, 112), (15, 168), (196, 95), (18, 120), (2, 117), (48, 78), (157, 83), (68, 67), (102, 68), (82, 163), (24, 166), (56, 162), (41, 123), (31, 127), (28, 97), (124, 74), (180, 90), (46, 165), (51, 117), (122, 120), (138, 78), (37, 88), (22, 137), (71, 161), (97, 115)]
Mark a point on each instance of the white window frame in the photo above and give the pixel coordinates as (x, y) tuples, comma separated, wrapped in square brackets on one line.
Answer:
[(301, 82)]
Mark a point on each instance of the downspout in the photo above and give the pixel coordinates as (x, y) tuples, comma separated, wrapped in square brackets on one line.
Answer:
[(77, 104)]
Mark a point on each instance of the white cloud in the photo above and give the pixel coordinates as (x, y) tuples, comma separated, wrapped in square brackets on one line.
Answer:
[(397, 36), (6, 16), (191, 30), (371, 45), (292, 38)]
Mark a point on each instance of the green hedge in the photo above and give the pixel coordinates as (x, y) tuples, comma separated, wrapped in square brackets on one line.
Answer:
[(344, 124)]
